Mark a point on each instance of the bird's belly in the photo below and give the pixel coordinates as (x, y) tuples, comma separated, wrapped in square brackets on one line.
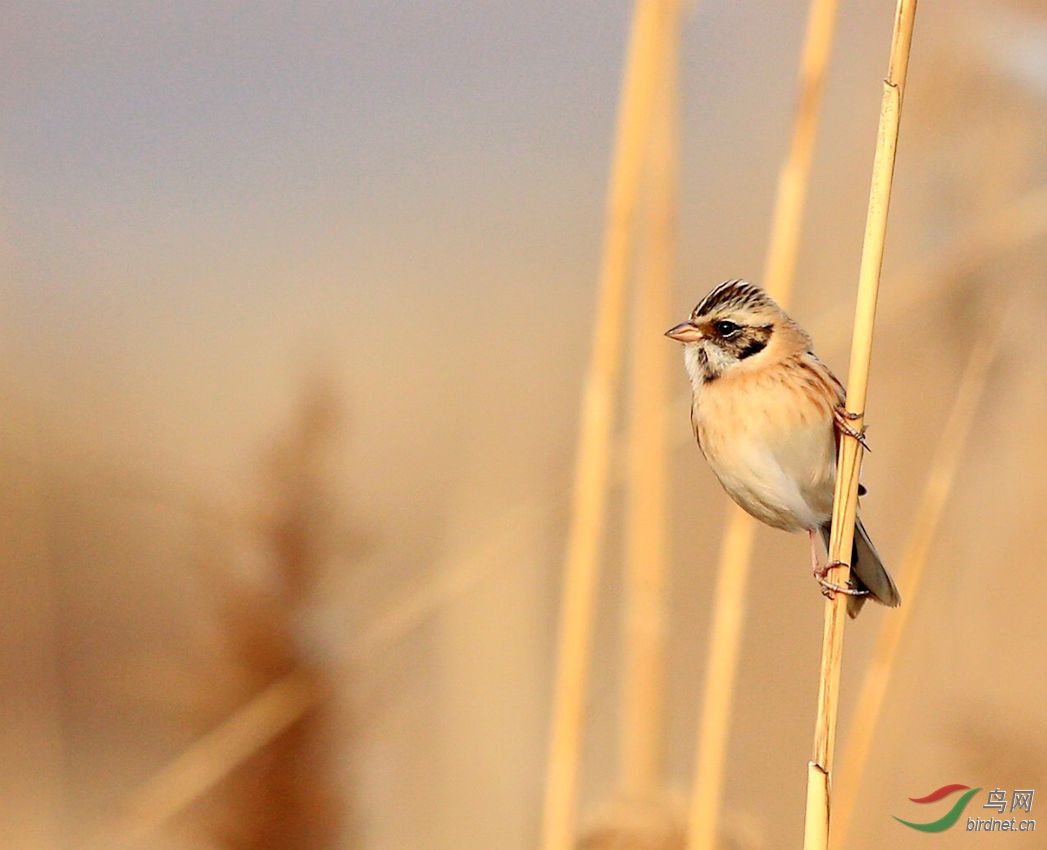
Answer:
[(777, 463), (760, 489)]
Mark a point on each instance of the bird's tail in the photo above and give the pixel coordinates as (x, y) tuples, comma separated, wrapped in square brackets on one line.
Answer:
[(867, 572)]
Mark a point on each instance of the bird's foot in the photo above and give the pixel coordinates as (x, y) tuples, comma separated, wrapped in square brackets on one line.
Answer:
[(829, 588), (843, 419)]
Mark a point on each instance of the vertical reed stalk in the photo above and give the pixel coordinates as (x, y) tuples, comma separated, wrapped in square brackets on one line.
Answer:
[(589, 499), (647, 532), (845, 498), (940, 479), (732, 572), (794, 177)]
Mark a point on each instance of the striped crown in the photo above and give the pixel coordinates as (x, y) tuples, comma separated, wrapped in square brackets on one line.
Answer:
[(734, 295)]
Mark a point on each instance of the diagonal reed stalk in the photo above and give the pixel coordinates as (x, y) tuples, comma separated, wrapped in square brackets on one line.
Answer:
[(948, 455), (732, 572), (647, 527), (589, 496), (845, 497), (201, 767)]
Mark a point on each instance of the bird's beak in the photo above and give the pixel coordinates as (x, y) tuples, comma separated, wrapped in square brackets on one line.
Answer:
[(684, 332)]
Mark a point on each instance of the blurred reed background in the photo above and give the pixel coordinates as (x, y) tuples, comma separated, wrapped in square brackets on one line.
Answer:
[(297, 304)]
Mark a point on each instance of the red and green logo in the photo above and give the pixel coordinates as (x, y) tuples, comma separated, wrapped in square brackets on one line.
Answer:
[(953, 815)]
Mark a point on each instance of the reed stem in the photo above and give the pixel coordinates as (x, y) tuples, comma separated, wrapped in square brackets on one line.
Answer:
[(647, 526), (845, 498), (589, 501), (948, 455)]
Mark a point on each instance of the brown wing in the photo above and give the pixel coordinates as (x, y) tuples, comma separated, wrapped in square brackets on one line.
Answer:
[(841, 417)]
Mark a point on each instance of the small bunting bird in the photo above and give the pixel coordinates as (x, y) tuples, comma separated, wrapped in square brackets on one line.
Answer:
[(768, 414)]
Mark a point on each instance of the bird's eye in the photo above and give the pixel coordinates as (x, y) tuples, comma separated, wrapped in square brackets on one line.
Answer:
[(725, 328)]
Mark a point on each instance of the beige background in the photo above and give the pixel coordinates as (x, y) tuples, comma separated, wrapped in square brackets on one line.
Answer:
[(215, 213)]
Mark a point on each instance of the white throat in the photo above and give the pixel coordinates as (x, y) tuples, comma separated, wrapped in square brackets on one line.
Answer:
[(705, 361)]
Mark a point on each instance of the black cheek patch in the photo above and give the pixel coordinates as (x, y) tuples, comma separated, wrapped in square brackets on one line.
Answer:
[(753, 341), (751, 347)]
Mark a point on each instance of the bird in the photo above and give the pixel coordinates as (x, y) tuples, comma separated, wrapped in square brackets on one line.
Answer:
[(767, 414)]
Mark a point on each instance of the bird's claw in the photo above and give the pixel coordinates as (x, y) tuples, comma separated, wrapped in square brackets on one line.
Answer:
[(843, 417), (829, 588)]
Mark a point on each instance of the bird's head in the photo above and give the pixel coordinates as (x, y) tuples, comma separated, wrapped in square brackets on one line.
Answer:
[(736, 326)]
